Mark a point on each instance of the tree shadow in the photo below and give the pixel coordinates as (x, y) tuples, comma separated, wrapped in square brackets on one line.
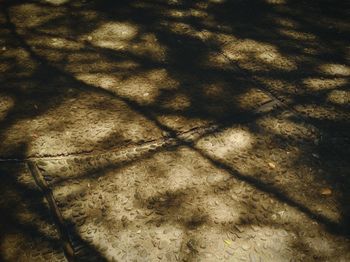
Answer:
[(287, 50)]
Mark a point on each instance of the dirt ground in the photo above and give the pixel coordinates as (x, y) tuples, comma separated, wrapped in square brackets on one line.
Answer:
[(149, 130)]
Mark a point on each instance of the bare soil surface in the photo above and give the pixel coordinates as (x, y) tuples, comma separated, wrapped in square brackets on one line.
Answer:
[(174, 130)]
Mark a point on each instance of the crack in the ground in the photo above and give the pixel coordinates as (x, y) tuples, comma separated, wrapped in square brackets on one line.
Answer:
[(55, 212), (266, 107), (126, 147)]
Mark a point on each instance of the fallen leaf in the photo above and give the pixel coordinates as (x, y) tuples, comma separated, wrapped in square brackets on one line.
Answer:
[(272, 165), (228, 242), (315, 155), (326, 191)]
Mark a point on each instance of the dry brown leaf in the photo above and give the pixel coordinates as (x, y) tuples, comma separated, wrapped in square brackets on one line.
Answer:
[(326, 191), (272, 165)]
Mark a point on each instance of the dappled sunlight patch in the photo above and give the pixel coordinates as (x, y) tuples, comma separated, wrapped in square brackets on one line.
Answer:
[(181, 28), (287, 128), (335, 69), (93, 218), (178, 201), (57, 2), (178, 177), (220, 211), (143, 87), (323, 112), (340, 97), (178, 102), (276, 2), (177, 13), (250, 99), (318, 84), (222, 38), (95, 63), (51, 44), (113, 35), (217, 1), (222, 98), (199, 13), (17, 63), (321, 246), (126, 37), (297, 35), (180, 123), (62, 135), (284, 87), (105, 81), (226, 143), (256, 56), (286, 22), (81, 123), (215, 61), (32, 15)]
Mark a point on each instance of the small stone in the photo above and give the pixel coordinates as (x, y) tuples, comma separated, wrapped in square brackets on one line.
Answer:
[(162, 244), (211, 179), (245, 246), (272, 165), (230, 252), (282, 233)]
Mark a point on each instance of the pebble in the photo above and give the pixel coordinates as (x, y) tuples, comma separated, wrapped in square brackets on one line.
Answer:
[(162, 244), (211, 179), (230, 252), (245, 246)]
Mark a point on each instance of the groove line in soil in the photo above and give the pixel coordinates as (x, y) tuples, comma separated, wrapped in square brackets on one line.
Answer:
[(56, 214), (266, 107)]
